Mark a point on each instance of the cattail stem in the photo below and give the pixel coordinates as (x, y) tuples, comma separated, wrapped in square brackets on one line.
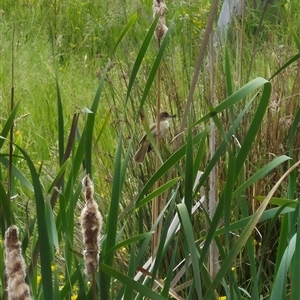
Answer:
[(159, 9)]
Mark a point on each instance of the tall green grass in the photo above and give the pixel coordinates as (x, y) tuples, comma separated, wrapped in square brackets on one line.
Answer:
[(255, 223)]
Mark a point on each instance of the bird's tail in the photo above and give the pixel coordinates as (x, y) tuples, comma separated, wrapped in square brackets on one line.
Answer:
[(140, 154)]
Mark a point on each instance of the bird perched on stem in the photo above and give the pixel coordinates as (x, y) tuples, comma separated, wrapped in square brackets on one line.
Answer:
[(145, 144)]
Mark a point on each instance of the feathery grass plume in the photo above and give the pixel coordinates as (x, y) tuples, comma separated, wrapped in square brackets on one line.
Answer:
[(15, 268), (91, 224), (159, 9)]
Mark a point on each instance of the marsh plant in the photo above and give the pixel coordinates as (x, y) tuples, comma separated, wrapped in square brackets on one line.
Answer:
[(15, 268), (73, 86), (91, 224)]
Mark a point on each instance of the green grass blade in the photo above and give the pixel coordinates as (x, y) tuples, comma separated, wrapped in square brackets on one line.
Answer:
[(190, 240), (253, 128), (264, 249), (189, 176), (279, 286), (222, 146), (72, 281), (226, 197), (59, 174), (144, 247), (280, 201), (128, 292), (140, 56), (125, 164), (112, 220), (294, 272), (17, 173), (170, 273), (155, 65), (261, 173), (89, 126), (267, 215), (164, 241), (129, 241), (60, 124), (166, 186), (103, 126), (287, 64), (51, 224), (227, 263), (5, 210), (235, 97), (125, 30), (46, 248), (292, 188), (8, 124), (238, 163), (296, 39), (146, 292), (228, 75)]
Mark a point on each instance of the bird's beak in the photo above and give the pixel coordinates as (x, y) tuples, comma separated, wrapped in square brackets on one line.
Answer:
[(172, 116)]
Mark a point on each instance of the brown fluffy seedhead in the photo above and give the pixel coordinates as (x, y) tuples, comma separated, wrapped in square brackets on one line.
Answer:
[(160, 9), (91, 224), (15, 269)]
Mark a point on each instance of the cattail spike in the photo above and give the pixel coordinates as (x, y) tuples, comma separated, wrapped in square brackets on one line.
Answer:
[(15, 268), (159, 9), (91, 224)]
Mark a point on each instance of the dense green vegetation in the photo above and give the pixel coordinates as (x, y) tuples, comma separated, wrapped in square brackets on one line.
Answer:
[(74, 78)]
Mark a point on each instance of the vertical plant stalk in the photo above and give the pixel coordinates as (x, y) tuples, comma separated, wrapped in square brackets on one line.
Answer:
[(12, 104), (70, 143), (241, 44), (15, 266), (159, 9), (203, 46), (213, 264), (91, 225), (157, 202)]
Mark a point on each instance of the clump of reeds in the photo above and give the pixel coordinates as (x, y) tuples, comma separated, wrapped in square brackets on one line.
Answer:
[(160, 9), (15, 268), (91, 224)]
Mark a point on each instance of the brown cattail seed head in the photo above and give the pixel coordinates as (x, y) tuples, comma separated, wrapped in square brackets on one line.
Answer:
[(160, 9), (15, 268), (91, 224)]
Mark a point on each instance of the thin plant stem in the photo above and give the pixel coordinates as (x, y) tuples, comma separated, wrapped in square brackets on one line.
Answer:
[(12, 104), (213, 249), (157, 200), (203, 46)]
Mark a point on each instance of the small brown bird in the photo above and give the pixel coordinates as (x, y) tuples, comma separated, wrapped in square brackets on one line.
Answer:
[(145, 145)]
